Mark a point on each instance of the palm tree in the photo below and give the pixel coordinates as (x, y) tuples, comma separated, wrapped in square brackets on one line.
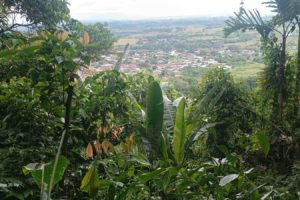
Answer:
[(282, 24), (295, 7)]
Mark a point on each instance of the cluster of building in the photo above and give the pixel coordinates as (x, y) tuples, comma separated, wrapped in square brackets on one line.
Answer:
[(159, 61)]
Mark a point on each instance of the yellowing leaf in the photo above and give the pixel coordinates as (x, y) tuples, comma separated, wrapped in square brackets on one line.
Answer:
[(129, 143), (62, 36), (105, 146), (105, 130), (85, 39), (44, 34), (37, 43)]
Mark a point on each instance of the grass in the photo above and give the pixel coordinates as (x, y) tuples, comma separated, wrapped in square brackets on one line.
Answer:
[(247, 70), (124, 41), (194, 29)]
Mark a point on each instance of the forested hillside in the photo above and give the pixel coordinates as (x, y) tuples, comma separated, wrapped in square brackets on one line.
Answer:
[(68, 131)]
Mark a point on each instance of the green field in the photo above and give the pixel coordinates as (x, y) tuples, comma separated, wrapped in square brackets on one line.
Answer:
[(247, 70)]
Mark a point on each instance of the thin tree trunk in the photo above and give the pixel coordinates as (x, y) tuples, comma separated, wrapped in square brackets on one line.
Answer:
[(70, 92), (62, 149), (297, 105), (281, 83)]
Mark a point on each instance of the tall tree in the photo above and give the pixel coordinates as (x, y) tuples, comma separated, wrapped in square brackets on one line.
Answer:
[(281, 24), (47, 13), (295, 11)]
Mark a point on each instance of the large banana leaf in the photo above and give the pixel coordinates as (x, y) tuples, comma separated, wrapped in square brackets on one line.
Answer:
[(169, 109), (41, 173), (154, 116), (169, 114), (179, 133)]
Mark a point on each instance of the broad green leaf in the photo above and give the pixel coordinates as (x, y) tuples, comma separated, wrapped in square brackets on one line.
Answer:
[(164, 147), (154, 117), (59, 59), (179, 133), (266, 195), (264, 142), (91, 183), (117, 183), (130, 171), (151, 175), (32, 167), (141, 159), (37, 171), (104, 184), (228, 179), (136, 104), (249, 171)]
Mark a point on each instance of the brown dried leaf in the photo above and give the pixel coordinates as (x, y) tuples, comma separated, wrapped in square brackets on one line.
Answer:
[(98, 147), (115, 133), (89, 151)]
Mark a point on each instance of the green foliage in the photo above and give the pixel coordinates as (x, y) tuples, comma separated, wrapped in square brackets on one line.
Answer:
[(91, 183), (138, 86), (264, 142), (42, 172), (26, 129), (48, 13), (228, 179), (248, 20), (274, 34), (154, 116), (224, 103), (35, 76), (222, 147), (101, 39), (179, 133)]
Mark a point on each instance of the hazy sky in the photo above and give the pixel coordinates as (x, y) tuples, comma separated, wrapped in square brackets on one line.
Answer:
[(146, 9)]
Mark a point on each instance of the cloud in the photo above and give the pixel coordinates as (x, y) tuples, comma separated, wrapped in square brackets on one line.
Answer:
[(144, 9)]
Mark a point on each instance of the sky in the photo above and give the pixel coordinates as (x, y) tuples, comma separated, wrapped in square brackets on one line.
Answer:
[(105, 10)]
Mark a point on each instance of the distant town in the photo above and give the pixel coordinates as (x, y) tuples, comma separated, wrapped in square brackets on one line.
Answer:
[(167, 48), (160, 62)]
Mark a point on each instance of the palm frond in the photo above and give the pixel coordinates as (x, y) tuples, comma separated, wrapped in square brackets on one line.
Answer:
[(285, 9), (247, 20)]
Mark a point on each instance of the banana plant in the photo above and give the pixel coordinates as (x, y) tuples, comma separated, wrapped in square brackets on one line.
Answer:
[(159, 139), (165, 148), (42, 174)]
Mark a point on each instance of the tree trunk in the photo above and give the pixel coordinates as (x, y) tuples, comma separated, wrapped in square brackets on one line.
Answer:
[(297, 106), (281, 81), (70, 92)]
